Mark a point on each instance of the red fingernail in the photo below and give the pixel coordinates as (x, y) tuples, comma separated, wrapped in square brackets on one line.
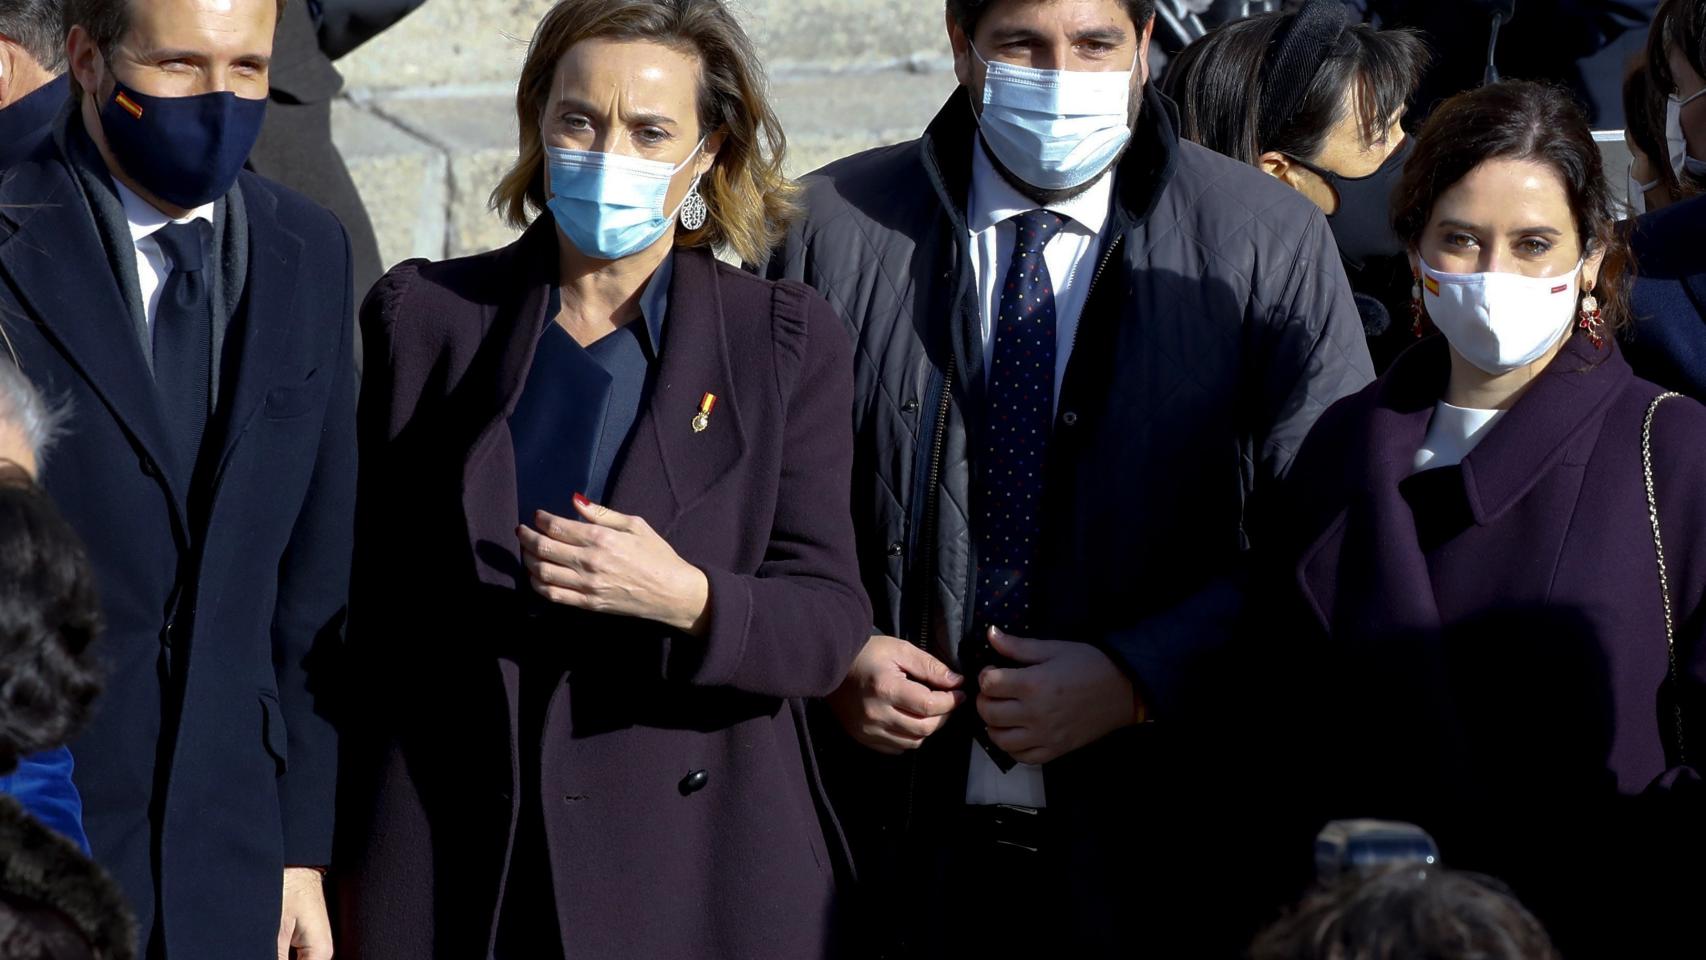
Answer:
[(582, 501)]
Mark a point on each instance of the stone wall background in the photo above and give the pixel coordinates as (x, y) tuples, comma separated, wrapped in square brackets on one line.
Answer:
[(427, 121)]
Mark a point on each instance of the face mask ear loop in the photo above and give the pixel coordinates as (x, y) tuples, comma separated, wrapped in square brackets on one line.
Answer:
[(696, 177)]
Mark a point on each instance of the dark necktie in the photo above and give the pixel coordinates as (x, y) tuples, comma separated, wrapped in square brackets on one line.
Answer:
[(1019, 415), (183, 336), (1016, 430)]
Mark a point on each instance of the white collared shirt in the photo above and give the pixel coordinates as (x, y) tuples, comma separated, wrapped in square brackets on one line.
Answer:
[(152, 264), (1070, 257), (1452, 434)]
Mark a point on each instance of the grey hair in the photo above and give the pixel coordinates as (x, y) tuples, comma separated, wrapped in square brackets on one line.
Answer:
[(22, 405), (38, 27)]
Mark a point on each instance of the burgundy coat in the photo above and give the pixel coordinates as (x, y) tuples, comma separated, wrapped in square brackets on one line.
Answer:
[(683, 813), (1485, 645)]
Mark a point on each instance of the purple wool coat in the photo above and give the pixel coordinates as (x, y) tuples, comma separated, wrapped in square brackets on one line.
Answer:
[(682, 809), (1482, 649)]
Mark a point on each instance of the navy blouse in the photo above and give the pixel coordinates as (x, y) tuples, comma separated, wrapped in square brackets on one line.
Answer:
[(579, 405)]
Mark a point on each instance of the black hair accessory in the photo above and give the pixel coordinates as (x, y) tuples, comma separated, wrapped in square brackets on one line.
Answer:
[(1294, 57)]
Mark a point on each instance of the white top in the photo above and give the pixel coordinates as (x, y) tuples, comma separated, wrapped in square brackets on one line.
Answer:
[(1071, 254), (152, 264), (1452, 433)]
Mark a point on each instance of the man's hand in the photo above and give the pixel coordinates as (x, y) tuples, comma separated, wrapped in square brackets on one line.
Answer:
[(895, 696), (1066, 696), (305, 925)]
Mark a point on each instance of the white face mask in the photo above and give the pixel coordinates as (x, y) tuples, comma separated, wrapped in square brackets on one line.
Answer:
[(1500, 321), (1676, 141), (1638, 194)]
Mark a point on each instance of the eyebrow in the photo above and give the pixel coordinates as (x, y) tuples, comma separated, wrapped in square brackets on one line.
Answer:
[(1110, 35), (643, 119), (158, 56), (1105, 34), (1520, 231)]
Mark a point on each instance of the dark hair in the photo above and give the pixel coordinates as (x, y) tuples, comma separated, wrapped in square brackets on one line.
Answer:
[(49, 618), (1407, 913), (968, 13), (106, 21), (1644, 120), (1680, 24), (1518, 120), (37, 26), (1219, 82)]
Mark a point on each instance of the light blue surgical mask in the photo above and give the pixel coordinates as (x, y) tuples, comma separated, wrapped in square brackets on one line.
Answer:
[(1054, 129), (611, 206)]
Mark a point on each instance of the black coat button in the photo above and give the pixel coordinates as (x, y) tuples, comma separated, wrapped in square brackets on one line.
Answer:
[(896, 548), (694, 782), (1069, 418), (910, 406)]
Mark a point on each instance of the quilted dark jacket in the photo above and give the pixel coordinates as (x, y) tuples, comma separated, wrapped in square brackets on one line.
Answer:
[(1219, 327)]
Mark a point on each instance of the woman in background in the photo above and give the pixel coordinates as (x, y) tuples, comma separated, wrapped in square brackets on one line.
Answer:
[(1315, 100)]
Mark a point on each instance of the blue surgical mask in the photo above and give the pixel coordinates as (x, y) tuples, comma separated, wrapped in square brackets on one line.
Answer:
[(609, 205), (187, 151), (1054, 129)]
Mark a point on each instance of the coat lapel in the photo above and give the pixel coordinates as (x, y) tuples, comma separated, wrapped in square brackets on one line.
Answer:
[(510, 328), (1366, 573), (1573, 392), (669, 466), (58, 266), (267, 319)]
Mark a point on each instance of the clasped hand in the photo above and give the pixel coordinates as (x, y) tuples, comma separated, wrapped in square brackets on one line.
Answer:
[(610, 562), (1062, 697)]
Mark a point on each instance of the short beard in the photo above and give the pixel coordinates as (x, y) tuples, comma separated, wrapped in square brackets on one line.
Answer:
[(1048, 198)]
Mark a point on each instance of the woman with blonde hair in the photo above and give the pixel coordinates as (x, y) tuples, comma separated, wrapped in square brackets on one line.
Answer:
[(605, 547)]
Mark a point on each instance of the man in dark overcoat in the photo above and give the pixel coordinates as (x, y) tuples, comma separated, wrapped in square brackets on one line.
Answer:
[(198, 320)]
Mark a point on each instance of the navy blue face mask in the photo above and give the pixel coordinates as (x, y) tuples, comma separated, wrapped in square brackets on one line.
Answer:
[(184, 150)]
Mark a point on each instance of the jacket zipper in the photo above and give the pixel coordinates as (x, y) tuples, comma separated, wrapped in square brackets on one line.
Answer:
[(927, 557), (1095, 278), (932, 503)]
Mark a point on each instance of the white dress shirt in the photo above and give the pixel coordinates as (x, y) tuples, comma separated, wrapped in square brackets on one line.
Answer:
[(1452, 433), (1070, 257), (152, 264)]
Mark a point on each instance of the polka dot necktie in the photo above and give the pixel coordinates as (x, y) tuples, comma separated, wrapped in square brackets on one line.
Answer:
[(1016, 430)]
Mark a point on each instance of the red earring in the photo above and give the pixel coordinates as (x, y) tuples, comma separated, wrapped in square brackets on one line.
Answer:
[(1592, 320), (1418, 313)]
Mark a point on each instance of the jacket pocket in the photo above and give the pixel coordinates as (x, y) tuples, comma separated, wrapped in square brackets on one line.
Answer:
[(273, 734), (284, 403)]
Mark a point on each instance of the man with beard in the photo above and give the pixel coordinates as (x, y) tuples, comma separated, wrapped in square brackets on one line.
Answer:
[(1085, 351)]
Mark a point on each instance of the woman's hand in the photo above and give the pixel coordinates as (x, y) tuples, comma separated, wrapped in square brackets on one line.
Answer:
[(609, 562)]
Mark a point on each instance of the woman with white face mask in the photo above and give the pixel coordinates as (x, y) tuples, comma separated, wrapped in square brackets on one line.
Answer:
[(606, 545), (1473, 556), (1667, 342)]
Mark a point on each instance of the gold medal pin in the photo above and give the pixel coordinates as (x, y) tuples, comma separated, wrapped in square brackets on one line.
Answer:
[(702, 419)]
